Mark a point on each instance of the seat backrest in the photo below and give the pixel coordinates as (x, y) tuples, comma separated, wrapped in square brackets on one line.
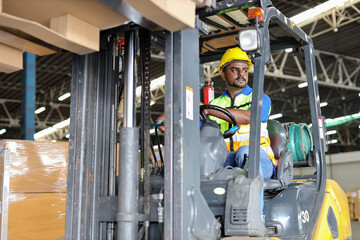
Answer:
[(277, 135), (278, 143)]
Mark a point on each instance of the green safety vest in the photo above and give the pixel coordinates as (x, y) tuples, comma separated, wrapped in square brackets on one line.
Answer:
[(241, 101)]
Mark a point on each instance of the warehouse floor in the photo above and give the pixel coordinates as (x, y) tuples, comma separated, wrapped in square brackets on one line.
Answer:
[(355, 228)]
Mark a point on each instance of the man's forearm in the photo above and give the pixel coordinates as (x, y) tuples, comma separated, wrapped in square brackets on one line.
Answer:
[(242, 116)]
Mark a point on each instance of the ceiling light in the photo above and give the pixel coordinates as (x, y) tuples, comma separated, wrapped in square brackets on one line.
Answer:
[(40, 110), (331, 132), (355, 115), (323, 104), (302, 85), (275, 116), (52, 129), (2, 131), (64, 96), (288, 50), (62, 124), (156, 83), (160, 81), (44, 132), (332, 141), (313, 12)]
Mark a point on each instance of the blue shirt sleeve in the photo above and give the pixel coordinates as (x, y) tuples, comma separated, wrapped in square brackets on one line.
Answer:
[(266, 108)]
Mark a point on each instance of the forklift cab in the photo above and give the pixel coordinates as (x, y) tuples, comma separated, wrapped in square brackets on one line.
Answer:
[(188, 198), (268, 31)]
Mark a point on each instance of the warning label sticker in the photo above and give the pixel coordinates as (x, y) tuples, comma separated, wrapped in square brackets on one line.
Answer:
[(321, 127), (189, 103)]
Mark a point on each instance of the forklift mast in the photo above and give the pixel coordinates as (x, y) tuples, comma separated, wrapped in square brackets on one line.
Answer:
[(108, 197)]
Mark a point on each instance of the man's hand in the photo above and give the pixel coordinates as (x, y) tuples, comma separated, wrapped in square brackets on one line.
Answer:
[(206, 111), (242, 116), (161, 118)]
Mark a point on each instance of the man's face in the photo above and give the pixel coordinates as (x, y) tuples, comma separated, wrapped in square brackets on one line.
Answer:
[(236, 75)]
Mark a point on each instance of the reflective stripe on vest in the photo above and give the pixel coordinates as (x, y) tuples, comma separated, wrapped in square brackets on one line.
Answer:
[(241, 138)]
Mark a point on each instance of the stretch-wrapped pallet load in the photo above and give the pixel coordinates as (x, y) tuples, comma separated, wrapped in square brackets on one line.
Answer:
[(354, 204), (33, 178)]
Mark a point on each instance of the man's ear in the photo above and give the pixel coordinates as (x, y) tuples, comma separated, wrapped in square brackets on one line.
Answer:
[(223, 75)]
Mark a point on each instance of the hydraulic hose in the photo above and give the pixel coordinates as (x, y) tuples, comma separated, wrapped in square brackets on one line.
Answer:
[(159, 146)]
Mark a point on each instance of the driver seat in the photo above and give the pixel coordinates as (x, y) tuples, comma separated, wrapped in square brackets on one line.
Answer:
[(284, 170)]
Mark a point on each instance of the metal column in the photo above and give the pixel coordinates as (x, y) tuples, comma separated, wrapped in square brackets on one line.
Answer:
[(318, 136), (129, 151), (28, 93), (260, 58), (256, 106), (314, 99), (184, 204), (91, 205)]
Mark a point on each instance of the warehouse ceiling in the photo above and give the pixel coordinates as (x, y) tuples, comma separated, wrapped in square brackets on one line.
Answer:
[(338, 66)]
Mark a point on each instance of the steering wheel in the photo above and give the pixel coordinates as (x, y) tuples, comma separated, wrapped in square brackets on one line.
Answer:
[(228, 133)]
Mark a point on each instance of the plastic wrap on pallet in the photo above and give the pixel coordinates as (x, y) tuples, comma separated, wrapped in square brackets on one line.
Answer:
[(36, 216), (354, 204), (35, 166), (33, 179)]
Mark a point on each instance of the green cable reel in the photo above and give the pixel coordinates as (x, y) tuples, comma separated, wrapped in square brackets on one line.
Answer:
[(300, 141)]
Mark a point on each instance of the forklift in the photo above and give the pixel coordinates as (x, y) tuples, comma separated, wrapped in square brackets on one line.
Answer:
[(189, 195)]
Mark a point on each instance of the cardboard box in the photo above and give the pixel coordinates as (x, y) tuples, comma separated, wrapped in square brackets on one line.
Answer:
[(34, 166), (10, 58), (76, 30), (20, 43), (33, 179), (173, 15), (354, 204), (36, 216), (69, 25)]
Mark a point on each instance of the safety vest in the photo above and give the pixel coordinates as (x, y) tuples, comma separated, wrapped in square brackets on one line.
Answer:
[(242, 101)]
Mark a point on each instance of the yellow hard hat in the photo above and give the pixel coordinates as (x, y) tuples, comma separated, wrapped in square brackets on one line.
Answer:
[(233, 54)]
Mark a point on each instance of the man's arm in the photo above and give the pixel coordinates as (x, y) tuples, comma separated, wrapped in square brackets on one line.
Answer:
[(242, 116)]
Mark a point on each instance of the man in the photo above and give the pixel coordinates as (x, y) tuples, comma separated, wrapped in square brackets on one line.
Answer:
[(234, 67)]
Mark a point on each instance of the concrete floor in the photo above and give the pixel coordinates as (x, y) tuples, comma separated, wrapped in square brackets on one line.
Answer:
[(355, 229)]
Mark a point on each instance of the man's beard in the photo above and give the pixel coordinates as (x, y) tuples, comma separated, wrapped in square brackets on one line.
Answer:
[(237, 84)]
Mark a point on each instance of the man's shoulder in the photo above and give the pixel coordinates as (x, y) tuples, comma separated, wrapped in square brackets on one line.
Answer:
[(266, 98), (246, 91)]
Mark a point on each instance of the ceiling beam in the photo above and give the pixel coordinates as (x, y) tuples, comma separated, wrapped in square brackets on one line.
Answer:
[(334, 18)]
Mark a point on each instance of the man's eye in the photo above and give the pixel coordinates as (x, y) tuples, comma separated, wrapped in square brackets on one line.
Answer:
[(237, 70)]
